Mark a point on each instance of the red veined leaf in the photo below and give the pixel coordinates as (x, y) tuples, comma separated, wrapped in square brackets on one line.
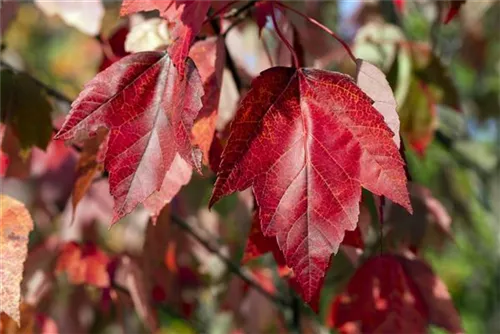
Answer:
[(435, 294), (186, 16), (15, 226), (379, 298), (84, 264), (208, 56), (149, 111), (258, 244), (307, 140)]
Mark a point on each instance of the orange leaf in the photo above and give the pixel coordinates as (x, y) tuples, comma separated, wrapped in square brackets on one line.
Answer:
[(15, 225), (87, 167), (84, 264)]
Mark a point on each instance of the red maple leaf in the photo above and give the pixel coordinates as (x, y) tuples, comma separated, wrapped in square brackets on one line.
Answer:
[(307, 140), (186, 16), (380, 298), (149, 111), (258, 244)]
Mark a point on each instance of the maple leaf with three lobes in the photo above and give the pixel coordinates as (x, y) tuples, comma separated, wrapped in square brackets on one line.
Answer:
[(149, 111), (307, 140)]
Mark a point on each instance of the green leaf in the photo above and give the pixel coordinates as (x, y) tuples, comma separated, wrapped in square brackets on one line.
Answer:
[(26, 109)]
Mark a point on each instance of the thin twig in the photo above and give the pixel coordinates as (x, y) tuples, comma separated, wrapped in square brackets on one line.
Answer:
[(323, 27), (235, 269), (282, 37), (240, 10), (229, 60), (296, 318), (233, 25), (218, 12)]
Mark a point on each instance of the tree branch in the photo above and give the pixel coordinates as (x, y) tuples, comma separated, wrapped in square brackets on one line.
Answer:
[(235, 269), (50, 91)]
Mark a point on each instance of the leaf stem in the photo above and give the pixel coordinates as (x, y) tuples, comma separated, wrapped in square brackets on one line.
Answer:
[(283, 38), (323, 27)]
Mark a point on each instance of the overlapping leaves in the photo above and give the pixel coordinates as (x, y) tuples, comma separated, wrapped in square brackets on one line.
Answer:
[(307, 140), (149, 111)]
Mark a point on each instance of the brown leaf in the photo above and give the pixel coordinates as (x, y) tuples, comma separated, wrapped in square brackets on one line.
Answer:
[(15, 225), (87, 167), (26, 325), (209, 57)]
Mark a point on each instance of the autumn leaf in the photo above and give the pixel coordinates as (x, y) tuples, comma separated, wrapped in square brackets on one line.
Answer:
[(258, 244), (26, 324), (379, 298), (84, 264), (307, 140), (15, 226), (113, 47), (430, 222), (130, 276), (149, 111), (186, 16), (87, 168), (372, 81), (177, 176), (208, 56), (418, 116), (26, 110), (435, 294)]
